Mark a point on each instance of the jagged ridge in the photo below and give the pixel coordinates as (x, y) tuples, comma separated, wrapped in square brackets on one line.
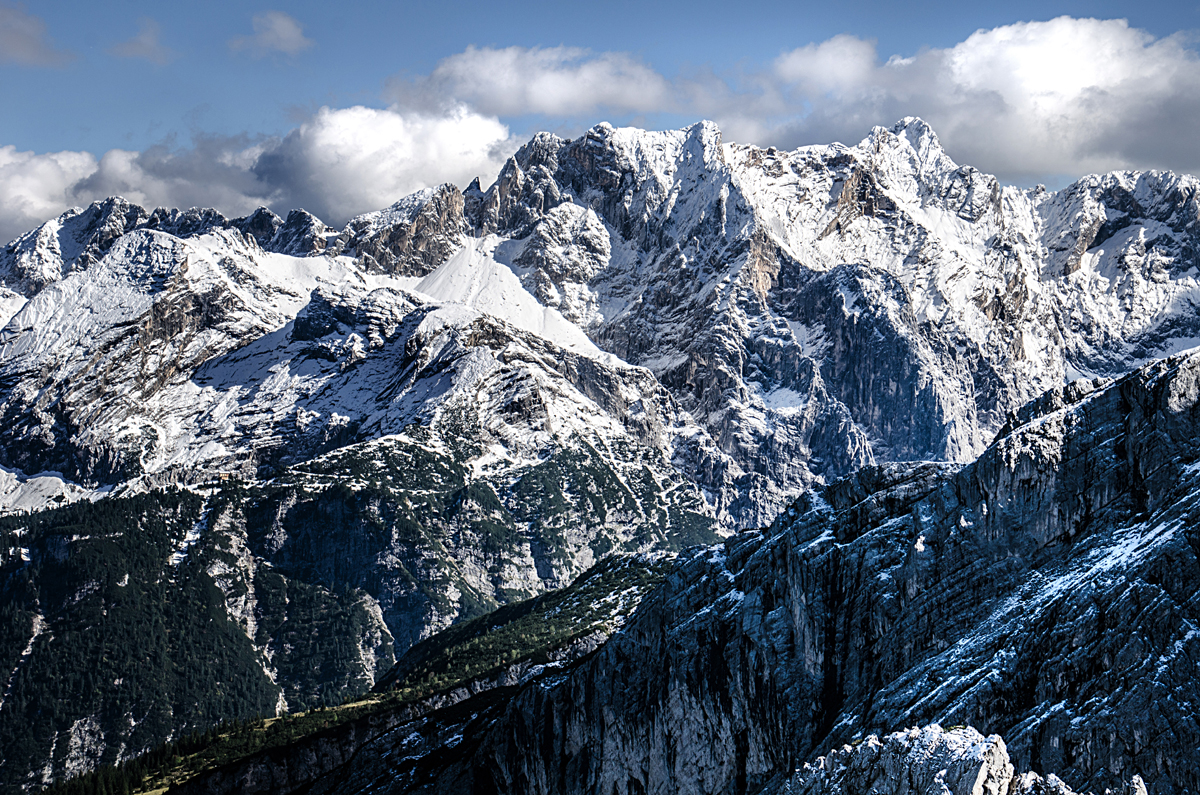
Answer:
[(800, 315), (1045, 592)]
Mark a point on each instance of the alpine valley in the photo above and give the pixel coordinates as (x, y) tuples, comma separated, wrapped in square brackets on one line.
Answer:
[(662, 465)]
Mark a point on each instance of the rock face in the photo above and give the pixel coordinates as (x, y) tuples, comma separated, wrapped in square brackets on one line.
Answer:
[(304, 235), (412, 237), (834, 306), (633, 340), (929, 761), (917, 761), (1046, 592)]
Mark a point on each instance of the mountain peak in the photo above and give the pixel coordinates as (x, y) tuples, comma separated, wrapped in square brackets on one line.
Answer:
[(915, 129), (707, 135), (913, 146)]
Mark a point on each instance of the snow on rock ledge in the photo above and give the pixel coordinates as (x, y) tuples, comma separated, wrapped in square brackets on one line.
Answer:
[(928, 761)]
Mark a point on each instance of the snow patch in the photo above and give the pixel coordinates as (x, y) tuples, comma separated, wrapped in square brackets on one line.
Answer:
[(474, 278), (85, 745)]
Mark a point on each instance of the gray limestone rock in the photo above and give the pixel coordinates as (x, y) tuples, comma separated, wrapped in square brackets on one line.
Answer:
[(412, 237), (1045, 593), (302, 234), (928, 761)]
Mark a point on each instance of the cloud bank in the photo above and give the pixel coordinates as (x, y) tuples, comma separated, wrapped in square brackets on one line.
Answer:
[(337, 164), (1028, 101), (1066, 96)]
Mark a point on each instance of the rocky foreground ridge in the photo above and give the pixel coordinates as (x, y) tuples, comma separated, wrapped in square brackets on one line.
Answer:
[(301, 449), (1046, 593), (930, 760)]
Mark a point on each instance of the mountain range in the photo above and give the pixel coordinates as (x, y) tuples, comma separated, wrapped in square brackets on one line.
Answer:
[(924, 426)]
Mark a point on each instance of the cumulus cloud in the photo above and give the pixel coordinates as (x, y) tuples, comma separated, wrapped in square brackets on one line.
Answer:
[(36, 187), (336, 164), (843, 63), (274, 31), (1065, 96), (23, 40), (555, 81), (344, 162), (145, 44)]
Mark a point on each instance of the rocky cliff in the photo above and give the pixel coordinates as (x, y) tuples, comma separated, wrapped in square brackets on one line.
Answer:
[(631, 341), (821, 309), (1045, 592)]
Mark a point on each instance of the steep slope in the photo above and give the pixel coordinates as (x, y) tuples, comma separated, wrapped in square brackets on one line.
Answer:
[(1030, 288), (1046, 592), (133, 620), (644, 239), (631, 341), (825, 308), (491, 654), (362, 464)]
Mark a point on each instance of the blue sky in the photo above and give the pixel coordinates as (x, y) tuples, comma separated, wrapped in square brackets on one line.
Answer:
[(342, 107)]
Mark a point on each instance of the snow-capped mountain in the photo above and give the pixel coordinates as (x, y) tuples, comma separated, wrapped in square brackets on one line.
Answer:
[(633, 340), (813, 310), (820, 309), (410, 460)]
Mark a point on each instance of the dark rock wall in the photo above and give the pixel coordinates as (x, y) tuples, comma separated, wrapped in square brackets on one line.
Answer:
[(1046, 593)]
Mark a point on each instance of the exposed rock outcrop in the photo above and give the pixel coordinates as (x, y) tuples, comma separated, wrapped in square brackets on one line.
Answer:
[(638, 339), (929, 761), (412, 237), (1045, 592)]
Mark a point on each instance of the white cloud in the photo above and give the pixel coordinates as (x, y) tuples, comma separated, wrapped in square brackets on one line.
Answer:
[(1074, 95), (36, 187), (274, 31), (145, 44), (1025, 101), (344, 162), (556, 81), (23, 40), (338, 163), (843, 63)]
